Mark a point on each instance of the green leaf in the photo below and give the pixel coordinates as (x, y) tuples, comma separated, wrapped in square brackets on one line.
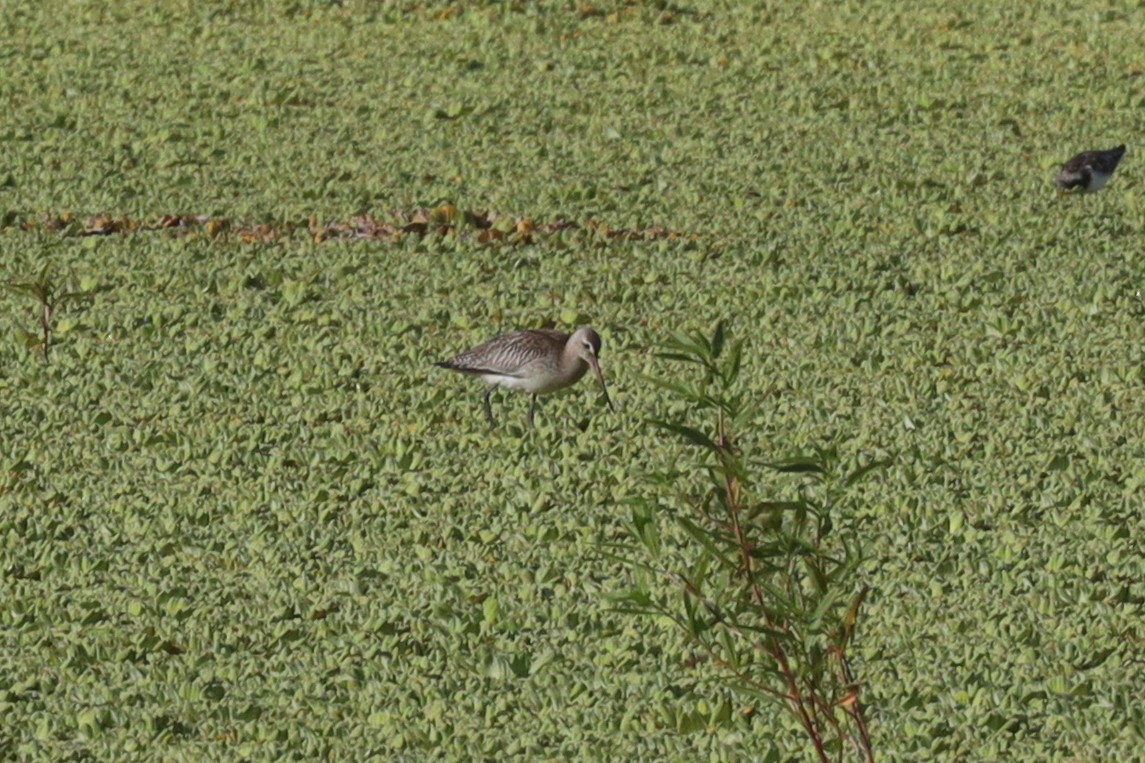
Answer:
[(72, 295), (717, 343), (826, 525), (732, 365), (778, 634), (851, 618), (679, 357), (678, 388), (759, 690), (773, 506), (646, 529), (689, 344), (694, 436), (731, 651), (698, 575), (707, 541), (827, 601), (782, 605), (861, 472), (694, 623), (28, 339), (649, 611), (798, 465), (637, 597)]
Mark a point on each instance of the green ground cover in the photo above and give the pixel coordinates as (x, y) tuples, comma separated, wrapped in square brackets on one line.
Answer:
[(243, 517)]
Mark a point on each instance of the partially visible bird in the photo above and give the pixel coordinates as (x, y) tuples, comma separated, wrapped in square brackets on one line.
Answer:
[(537, 361), (1090, 170)]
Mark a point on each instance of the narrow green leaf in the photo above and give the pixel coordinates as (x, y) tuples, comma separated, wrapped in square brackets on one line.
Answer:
[(759, 690), (695, 624), (635, 596), (851, 618), (643, 611), (679, 357), (698, 576), (780, 603), (733, 363), (70, 295), (647, 531), (680, 389), (781, 636), (717, 343), (696, 344), (28, 339), (768, 552), (21, 288), (708, 401), (694, 436), (863, 471), (773, 506), (731, 651), (823, 609), (706, 540), (798, 465), (626, 559), (729, 466)]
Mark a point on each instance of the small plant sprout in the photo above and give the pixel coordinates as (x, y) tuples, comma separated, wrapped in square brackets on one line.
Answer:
[(50, 296)]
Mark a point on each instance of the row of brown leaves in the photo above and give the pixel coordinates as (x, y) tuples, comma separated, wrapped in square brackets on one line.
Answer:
[(612, 12), (440, 222)]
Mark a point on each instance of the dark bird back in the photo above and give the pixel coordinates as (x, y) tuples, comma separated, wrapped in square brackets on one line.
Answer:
[(1090, 170)]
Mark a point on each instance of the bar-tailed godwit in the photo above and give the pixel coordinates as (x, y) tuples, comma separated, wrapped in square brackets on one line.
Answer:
[(537, 361)]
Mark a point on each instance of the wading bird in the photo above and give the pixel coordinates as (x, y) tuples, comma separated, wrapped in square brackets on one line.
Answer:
[(537, 361), (1090, 170)]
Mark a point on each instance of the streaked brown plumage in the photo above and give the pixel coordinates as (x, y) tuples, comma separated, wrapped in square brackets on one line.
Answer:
[(537, 361)]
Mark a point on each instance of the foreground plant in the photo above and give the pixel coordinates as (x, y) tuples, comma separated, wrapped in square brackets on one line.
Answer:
[(763, 588), (50, 296)]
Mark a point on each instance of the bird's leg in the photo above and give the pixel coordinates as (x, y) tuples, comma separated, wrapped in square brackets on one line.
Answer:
[(532, 409), (489, 407)]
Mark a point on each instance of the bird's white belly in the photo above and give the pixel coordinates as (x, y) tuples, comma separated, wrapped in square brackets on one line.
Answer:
[(533, 383), (1097, 181), (510, 382)]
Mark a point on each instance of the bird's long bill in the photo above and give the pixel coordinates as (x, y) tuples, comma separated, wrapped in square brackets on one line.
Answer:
[(603, 387)]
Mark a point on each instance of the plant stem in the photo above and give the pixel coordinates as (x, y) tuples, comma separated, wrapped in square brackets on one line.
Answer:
[(733, 492), (855, 708), (46, 322)]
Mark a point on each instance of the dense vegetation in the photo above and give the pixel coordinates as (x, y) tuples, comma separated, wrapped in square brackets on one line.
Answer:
[(242, 516)]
